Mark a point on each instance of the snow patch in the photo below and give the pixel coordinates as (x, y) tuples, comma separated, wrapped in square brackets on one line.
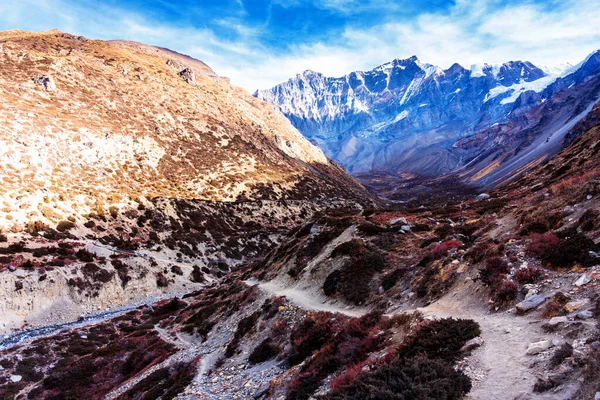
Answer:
[(400, 116)]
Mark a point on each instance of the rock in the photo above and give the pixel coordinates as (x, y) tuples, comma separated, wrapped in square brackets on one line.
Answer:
[(482, 196), (16, 378), (597, 396), (531, 303), (472, 344), (538, 347), (188, 76), (557, 320), (400, 220), (557, 378), (568, 210), (575, 305), (589, 197), (46, 82), (584, 315), (583, 280), (12, 268), (405, 228)]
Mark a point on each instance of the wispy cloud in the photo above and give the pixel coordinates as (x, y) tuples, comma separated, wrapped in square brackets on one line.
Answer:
[(247, 50)]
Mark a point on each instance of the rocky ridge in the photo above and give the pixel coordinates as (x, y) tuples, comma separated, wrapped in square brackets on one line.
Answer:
[(414, 120)]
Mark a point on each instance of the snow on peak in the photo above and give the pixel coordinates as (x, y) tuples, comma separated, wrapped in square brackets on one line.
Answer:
[(552, 73), (477, 70)]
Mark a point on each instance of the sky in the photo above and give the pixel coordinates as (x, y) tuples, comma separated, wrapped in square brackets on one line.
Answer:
[(259, 43)]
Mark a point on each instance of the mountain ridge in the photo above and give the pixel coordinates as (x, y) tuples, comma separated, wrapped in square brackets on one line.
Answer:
[(404, 116)]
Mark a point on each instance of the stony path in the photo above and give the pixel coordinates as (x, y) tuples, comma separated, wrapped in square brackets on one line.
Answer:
[(500, 367), (307, 300)]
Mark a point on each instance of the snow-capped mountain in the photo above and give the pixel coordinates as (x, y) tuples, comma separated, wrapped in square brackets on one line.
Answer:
[(405, 115)]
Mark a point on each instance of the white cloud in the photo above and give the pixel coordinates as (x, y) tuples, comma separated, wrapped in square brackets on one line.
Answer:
[(470, 32)]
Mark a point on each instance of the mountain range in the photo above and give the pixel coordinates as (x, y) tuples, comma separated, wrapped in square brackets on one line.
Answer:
[(407, 118)]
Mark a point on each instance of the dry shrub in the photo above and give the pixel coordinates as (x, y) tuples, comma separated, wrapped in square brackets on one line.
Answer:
[(528, 275)]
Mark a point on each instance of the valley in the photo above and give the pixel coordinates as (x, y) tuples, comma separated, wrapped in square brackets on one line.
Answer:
[(164, 234)]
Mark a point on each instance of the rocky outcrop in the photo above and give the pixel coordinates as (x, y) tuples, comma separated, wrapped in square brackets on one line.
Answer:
[(46, 82)]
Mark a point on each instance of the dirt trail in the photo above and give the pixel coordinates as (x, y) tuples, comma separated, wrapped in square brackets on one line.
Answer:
[(502, 365), (307, 300)]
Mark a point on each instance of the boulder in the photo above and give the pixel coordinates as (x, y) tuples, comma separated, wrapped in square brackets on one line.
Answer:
[(530, 303), (400, 220), (188, 76), (472, 344), (575, 305), (16, 378), (568, 210), (583, 280), (538, 347), (482, 196), (557, 320), (584, 315), (405, 228)]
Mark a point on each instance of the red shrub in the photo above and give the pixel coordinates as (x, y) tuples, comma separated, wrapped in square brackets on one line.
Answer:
[(440, 250), (540, 243), (528, 275), (494, 271), (506, 292), (344, 380)]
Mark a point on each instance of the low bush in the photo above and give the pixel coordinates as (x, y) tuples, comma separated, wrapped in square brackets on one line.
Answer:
[(528, 275), (84, 255), (265, 351), (333, 343), (413, 378), (589, 220), (441, 339), (564, 250), (533, 227), (506, 292), (490, 206), (64, 226), (493, 272), (353, 280), (390, 279), (161, 280), (421, 228), (441, 250), (164, 383), (371, 229)]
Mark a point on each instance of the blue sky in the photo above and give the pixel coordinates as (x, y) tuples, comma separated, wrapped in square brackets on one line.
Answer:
[(258, 43)]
